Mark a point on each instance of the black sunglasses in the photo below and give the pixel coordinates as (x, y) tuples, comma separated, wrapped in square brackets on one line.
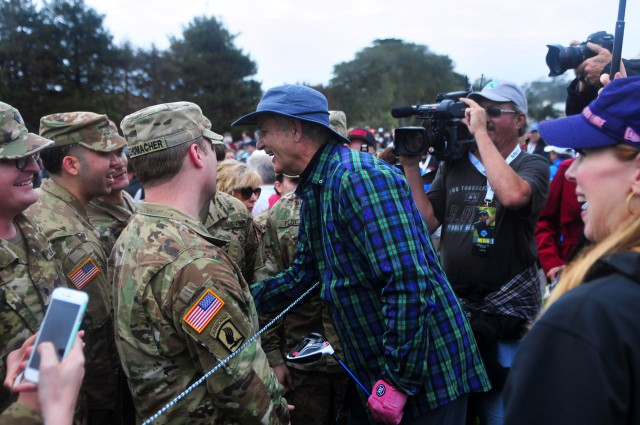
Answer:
[(495, 112), (247, 192), (21, 163)]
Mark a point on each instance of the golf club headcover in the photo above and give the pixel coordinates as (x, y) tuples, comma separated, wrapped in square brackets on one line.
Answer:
[(386, 403)]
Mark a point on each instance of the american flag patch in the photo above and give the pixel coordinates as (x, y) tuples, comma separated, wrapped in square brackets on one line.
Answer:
[(84, 274), (199, 316)]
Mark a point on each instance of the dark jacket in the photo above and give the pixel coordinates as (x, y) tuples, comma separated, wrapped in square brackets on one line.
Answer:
[(577, 100), (579, 363)]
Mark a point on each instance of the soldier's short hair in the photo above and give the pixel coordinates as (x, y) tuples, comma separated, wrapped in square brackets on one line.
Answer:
[(164, 164), (52, 157)]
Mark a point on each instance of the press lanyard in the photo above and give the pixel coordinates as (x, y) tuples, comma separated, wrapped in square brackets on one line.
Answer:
[(488, 198)]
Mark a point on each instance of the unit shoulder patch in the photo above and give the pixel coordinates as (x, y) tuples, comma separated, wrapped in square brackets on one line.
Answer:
[(228, 335)]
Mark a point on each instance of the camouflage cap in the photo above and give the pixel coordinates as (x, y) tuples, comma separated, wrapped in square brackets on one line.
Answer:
[(15, 141), (166, 125), (93, 131), (338, 122)]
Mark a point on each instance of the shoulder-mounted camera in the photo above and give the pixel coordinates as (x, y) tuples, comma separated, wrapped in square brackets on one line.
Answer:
[(442, 132)]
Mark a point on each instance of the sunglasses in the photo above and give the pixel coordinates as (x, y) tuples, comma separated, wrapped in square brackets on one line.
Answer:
[(247, 192), (21, 163), (495, 112)]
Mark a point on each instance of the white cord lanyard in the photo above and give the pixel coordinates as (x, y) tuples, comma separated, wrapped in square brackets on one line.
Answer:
[(225, 361), (488, 198)]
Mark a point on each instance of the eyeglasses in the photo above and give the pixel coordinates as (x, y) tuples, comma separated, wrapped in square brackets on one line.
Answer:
[(21, 163), (495, 112), (247, 192)]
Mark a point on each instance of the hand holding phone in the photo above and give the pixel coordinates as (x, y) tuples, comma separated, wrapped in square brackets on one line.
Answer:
[(60, 327), (59, 382), (16, 362)]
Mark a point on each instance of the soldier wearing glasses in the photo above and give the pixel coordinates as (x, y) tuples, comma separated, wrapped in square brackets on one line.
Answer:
[(28, 271), (495, 278)]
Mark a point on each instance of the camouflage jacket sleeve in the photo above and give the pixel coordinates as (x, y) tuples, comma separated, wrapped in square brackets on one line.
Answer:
[(227, 219), (273, 340), (19, 414), (110, 219), (246, 389), (253, 257)]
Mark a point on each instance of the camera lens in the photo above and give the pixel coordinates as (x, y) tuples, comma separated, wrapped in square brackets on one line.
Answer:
[(415, 143), (560, 58)]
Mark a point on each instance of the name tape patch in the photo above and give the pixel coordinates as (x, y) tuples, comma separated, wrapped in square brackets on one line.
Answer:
[(147, 147)]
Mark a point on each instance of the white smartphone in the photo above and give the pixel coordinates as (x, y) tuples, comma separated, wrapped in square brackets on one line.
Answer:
[(60, 326)]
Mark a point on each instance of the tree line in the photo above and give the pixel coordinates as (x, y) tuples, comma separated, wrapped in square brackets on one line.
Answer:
[(57, 56)]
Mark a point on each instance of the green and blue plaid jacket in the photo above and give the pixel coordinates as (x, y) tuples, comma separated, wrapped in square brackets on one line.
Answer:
[(396, 315)]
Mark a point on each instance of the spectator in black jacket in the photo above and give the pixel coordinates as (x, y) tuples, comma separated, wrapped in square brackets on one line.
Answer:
[(584, 88), (579, 363)]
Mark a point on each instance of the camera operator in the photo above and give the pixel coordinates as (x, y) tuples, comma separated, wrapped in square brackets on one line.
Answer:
[(495, 278), (584, 88)]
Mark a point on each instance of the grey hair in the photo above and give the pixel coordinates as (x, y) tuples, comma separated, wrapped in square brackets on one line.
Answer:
[(264, 166)]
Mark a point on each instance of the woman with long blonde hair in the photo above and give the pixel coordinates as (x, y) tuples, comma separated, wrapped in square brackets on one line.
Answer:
[(579, 363), (240, 181)]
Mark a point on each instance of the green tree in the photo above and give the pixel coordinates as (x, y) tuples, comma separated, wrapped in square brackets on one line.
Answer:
[(25, 60), (57, 58), (158, 71), (86, 55), (387, 74), (208, 69)]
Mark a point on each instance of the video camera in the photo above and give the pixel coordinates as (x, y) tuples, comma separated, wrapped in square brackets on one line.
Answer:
[(442, 133), (560, 58)]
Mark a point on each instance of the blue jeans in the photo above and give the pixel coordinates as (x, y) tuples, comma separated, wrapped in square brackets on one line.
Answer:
[(491, 410)]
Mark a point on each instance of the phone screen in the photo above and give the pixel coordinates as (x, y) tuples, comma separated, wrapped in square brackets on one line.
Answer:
[(60, 320)]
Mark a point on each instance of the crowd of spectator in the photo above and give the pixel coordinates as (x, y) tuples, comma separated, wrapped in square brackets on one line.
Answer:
[(499, 287)]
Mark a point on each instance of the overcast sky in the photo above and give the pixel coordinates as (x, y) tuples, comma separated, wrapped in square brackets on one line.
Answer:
[(301, 41)]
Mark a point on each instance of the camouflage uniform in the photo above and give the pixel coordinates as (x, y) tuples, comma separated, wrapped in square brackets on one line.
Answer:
[(28, 270), (19, 414), (164, 263), (110, 219), (64, 220), (27, 278), (182, 304), (77, 245), (228, 219), (319, 386)]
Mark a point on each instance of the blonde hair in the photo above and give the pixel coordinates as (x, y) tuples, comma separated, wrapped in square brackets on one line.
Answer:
[(625, 239), (233, 174)]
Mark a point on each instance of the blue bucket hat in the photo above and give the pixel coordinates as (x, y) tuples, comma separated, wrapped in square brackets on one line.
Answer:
[(612, 118), (294, 101)]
